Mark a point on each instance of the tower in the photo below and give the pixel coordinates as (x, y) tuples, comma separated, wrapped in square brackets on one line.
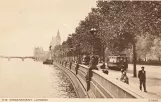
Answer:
[(58, 38), (55, 41)]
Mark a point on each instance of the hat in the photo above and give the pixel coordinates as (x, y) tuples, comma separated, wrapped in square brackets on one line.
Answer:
[(142, 67)]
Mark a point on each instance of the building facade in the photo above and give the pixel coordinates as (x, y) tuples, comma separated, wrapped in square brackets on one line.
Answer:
[(40, 54), (55, 40)]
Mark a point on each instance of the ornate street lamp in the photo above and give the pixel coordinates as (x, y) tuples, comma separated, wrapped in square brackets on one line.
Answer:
[(93, 31), (94, 59)]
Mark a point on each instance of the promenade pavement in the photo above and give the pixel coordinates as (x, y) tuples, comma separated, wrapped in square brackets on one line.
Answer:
[(153, 81)]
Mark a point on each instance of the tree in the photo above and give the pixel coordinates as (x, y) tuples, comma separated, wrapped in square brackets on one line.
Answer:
[(157, 48), (125, 20), (121, 25), (144, 45)]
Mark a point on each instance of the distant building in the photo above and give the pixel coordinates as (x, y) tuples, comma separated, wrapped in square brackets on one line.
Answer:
[(40, 54), (58, 38), (55, 40)]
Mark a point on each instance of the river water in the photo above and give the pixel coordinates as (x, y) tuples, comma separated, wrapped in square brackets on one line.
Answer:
[(31, 79)]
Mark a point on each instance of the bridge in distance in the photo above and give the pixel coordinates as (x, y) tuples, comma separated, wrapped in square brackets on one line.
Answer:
[(17, 57)]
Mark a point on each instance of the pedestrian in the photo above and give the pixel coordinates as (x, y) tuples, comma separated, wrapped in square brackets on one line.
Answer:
[(66, 63), (94, 61), (88, 59), (88, 77), (142, 79), (105, 71), (124, 78), (90, 73), (76, 68), (103, 66), (122, 70), (70, 65)]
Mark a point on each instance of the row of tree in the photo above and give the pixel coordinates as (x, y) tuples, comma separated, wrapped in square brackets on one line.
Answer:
[(120, 26)]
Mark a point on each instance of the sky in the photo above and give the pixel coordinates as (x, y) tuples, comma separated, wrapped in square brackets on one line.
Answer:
[(26, 24)]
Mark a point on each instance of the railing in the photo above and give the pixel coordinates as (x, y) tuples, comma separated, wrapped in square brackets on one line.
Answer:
[(101, 85)]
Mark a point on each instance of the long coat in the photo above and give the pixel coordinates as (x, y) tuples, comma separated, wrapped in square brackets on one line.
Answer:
[(142, 75)]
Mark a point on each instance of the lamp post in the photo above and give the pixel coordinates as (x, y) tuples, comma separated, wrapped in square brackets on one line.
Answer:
[(94, 59), (93, 31)]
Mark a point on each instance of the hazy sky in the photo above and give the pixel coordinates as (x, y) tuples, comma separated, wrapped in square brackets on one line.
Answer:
[(25, 24)]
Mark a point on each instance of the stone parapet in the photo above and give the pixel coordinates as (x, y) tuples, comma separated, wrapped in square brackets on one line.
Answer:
[(101, 85)]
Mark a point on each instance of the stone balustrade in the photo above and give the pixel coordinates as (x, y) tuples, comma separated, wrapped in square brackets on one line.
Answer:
[(101, 85)]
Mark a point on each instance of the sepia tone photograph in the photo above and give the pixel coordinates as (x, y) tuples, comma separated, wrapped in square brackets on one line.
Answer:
[(104, 49)]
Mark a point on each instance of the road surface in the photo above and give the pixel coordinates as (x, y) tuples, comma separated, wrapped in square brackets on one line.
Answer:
[(153, 74)]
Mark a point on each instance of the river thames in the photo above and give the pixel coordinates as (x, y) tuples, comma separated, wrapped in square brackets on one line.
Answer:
[(31, 79)]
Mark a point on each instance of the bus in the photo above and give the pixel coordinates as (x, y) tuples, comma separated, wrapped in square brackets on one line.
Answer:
[(117, 61)]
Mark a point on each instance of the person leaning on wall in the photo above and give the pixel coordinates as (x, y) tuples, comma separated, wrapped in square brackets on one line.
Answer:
[(104, 68), (124, 78), (93, 66)]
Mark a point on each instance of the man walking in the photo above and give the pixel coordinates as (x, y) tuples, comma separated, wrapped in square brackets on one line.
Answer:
[(142, 78)]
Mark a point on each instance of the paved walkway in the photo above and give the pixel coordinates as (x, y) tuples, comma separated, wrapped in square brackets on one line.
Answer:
[(153, 81)]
